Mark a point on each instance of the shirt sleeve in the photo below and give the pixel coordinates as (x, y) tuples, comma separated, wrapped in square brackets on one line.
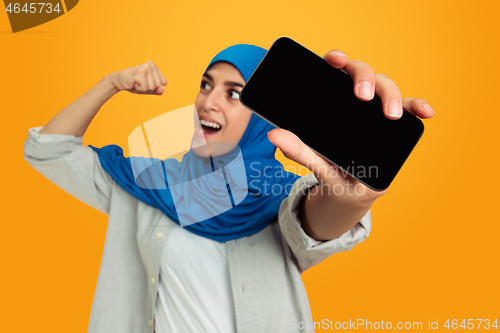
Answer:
[(62, 159), (307, 250)]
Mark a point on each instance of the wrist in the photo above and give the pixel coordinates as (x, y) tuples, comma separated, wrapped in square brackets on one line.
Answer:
[(110, 85), (348, 193)]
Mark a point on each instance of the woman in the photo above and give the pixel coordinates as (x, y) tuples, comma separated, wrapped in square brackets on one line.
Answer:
[(209, 276)]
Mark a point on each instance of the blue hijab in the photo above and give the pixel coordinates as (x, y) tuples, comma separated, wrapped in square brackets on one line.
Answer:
[(237, 208)]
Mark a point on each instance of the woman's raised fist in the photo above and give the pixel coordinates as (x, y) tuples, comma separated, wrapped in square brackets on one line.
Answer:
[(142, 79)]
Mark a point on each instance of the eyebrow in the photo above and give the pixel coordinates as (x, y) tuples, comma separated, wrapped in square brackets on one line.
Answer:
[(227, 83)]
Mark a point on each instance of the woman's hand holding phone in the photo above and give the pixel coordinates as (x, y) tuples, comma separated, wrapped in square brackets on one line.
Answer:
[(142, 79), (339, 194), (366, 84)]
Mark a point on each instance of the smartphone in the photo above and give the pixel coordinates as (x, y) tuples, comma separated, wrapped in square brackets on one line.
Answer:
[(295, 89)]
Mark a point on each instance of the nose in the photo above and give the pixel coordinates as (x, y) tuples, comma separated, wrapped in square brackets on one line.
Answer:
[(214, 100)]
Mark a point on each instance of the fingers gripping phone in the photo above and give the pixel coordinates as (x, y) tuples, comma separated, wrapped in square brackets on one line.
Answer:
[(295, 89)]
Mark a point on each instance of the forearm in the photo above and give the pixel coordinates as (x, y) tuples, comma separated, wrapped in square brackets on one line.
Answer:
[(325, 218), (76, 117)]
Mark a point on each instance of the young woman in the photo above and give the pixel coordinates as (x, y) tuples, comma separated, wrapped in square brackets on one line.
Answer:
[(238, 271)]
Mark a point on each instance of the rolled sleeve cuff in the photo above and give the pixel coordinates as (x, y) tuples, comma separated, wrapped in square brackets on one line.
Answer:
[(47, 146), (345, 242)]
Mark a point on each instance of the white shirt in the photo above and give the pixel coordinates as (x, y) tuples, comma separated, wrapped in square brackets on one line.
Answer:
[(194, 279), (265, 267)]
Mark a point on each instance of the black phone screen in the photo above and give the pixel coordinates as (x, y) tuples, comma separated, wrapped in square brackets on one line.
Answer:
[(295, 89)]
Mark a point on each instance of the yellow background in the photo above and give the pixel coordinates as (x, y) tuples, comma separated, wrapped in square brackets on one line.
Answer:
[(433, 252)]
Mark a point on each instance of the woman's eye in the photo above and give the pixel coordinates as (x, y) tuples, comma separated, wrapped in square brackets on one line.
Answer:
[(235, 94)]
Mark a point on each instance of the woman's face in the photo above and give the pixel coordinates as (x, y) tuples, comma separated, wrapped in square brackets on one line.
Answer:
[(223, 118)]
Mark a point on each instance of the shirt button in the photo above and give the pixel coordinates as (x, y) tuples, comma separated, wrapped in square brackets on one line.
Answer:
[(153, 280), (150, 322), (159, 235)]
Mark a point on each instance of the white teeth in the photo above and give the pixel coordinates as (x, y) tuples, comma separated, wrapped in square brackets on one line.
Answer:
[(210, 124)]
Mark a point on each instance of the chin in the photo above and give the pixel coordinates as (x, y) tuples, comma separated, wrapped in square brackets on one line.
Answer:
[(214, 148), (202, 151)]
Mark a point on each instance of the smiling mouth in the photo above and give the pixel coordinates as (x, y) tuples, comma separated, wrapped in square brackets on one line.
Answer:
[(209, 127)]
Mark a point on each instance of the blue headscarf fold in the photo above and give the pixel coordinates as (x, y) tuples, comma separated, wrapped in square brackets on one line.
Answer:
[(266, 181)]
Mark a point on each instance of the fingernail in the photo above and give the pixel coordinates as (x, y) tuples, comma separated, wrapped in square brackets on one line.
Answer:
[(427, 107), (395, 109), (340, 53), (365, 90), (268, 137)]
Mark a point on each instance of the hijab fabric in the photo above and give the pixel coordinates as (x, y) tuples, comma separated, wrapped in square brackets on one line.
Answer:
[(184, 196)]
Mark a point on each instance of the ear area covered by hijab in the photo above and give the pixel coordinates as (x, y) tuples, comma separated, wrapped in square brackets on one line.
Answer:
[(222, 198)]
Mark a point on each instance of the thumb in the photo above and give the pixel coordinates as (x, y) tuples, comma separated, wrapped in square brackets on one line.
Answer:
[(290, 144), (160, 90), (293, 148)]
